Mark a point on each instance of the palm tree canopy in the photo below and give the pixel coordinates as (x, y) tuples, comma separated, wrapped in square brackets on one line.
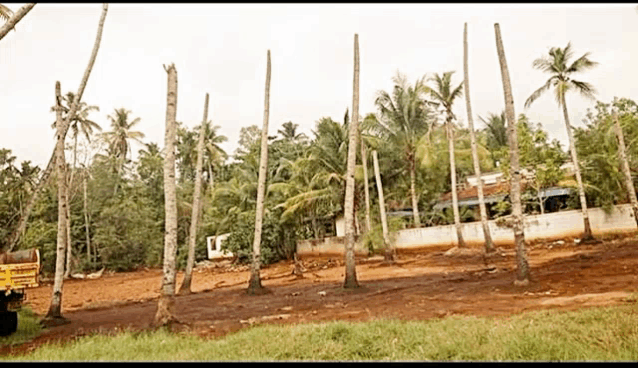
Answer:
[(80, 122), (5, 12), (443, 92), (118, 139), (557, 64), (496, 130)]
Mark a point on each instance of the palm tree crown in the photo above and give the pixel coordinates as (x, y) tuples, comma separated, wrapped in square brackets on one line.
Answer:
[(118, 138)]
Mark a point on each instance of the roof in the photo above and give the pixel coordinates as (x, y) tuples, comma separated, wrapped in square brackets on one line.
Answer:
[(492, 194)]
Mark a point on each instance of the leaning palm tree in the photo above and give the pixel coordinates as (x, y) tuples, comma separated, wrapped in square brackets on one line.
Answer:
[(558, 65), (489, 246), (402, 119), (254, 285), (55, 308), (165, 305), (11, 18), (522, 276), (445, 94)]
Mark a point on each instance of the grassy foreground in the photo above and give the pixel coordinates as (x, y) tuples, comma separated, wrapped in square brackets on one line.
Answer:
[(28, 328), (591, 334)]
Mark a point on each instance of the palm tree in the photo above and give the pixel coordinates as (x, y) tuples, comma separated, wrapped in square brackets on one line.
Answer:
[(254, 285), (214, 155), (489, 246), (522, 277), (166, 301), (444, 94), (389, 248), (402, 119), (12, 18), (496, 130), (622, 150), (289, 131), (558, 65), (122, 132), (197, 200), (348, 206)]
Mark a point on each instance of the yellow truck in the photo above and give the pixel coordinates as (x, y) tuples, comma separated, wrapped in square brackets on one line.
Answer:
[(18, 271)]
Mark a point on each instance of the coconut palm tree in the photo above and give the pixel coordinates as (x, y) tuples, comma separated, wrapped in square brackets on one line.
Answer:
[(402, 119), (11, 18), (489, 246), (445, 94), (557, 64), (622, 150), (121, 135), (165, 305), (348, 206), (214, 155), (254, 284), (522, 275)]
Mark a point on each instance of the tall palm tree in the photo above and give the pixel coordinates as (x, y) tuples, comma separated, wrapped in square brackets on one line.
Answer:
[(121, 135), (622, 150), (403, 119), (522, 276), (165, 305), (254, 285), (12, 18), (197, 200), (348, 206), (557, 64), (445, 94), (489, 246), (214, 155)]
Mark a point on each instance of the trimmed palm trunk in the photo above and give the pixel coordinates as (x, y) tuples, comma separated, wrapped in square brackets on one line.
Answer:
[(522, 274), (489, 246), (166, 302), (587, 234), (86, 220), (11, 23), (455, 199), (348, 207), (622, 151), (22, 224), (55, 308), (197, 203), (364, 162), (254, 284), (415, 202), (390, 253)]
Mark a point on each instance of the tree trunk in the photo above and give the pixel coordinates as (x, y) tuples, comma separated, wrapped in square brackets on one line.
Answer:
[(455, 200), (197, 203), (166, 302), (415, 202), (11, 23), (489, 245), (86, 222), (65, 127), (67, 271), (390, 252), (55, 308), (364, 162), (254, 284), (351, 273), (541, 202), (587, 235), (629, 184), (522, 275)]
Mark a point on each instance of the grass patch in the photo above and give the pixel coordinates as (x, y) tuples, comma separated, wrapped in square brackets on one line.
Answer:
[(589, 334), (28, 328)]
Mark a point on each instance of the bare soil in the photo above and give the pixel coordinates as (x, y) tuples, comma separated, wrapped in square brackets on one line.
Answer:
[(418, 286)]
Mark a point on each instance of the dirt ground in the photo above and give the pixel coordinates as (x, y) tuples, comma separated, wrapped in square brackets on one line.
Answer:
[(419, 286)]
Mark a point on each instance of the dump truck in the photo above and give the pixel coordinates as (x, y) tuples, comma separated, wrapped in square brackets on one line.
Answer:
[(18, 271)]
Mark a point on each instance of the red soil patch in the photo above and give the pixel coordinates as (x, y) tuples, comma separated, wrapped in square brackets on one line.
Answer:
[(416, 287)]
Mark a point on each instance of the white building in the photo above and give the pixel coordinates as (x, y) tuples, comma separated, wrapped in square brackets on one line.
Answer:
[(214, 245)]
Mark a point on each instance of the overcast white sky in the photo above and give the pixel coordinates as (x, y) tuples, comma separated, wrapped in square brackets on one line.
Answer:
[(220, 49)]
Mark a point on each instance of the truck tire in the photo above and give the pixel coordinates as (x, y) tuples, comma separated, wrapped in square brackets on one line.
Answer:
[(8, 323)]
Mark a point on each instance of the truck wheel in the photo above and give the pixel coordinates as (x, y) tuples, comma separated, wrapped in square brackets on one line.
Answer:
[(8, 323)]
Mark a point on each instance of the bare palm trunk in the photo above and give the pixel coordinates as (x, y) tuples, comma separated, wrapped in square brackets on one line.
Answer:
[(348, 207), (166, 302), (455, 200), (522, 275), (364, 162), (587, 235), (11, 23), (489, 246), (197, 203), (55, 308), (67, 271), (65, 127), (86, 222), (622, 150), (254, 284), (415, 202), (390, 252)]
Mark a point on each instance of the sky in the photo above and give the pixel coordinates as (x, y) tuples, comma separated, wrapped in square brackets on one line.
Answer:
[(221, 49)]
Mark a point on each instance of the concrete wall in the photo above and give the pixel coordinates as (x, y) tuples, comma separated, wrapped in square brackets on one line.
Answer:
[(557, 225), (213, 245), (332, 246)]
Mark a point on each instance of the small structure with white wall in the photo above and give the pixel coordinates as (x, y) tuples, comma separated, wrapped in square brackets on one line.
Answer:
[(214, 245)]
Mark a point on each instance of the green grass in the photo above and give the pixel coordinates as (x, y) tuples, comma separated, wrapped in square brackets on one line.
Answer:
[(589, 334), (28, 328)]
